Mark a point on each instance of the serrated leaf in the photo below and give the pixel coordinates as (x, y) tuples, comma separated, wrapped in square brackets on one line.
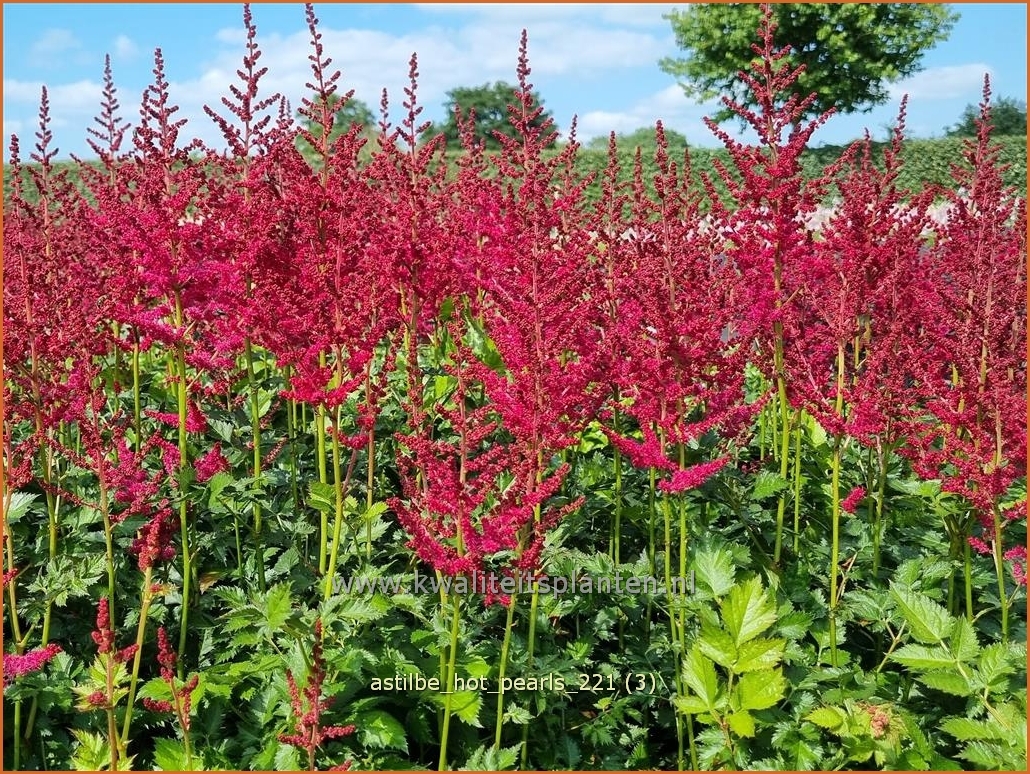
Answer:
[(464, 704), (717, 644), (18, 504), (713, 568), (767, 484), (691, 705), (699, 675), (170, 755), (758, 654), (760, 690), (377, 510), (964, 645), (747, 611), (380, 729), (949, 682), (742, 724), (982, 754), (923, 657), (929, 622), (321, 497), (965, 729), (287, 758), (830, 718)]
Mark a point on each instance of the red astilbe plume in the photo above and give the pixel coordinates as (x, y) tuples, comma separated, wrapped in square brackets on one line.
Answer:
[(531, 288), (18, 665), (469, 496), (679, 355), (767, 241), (974, 370), (856, 301), (181, 691), (104, 636), (308, 705), (336, 294)]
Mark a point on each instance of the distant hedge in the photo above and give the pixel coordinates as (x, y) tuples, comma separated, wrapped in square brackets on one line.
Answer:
[(926, 162)]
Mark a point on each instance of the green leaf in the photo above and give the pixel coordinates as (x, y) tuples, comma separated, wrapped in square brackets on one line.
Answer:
[(322, 497), (742, 724), (758, 654), (699, 675), (380, 729), (761, 690), (965, 729), (278, 607), (215, 485), (170, 755), (767, 484), (691, 705), (929, 622), (465, 704), (19, 504), (717, 645), (373, 513), (922, 657), (950, 682), (713, 568), (964, 645), (747, 611), (487, 759), (287, 758), (830, 718)]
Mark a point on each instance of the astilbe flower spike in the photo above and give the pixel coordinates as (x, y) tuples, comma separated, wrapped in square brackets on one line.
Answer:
[(17, 665), (308, 705)]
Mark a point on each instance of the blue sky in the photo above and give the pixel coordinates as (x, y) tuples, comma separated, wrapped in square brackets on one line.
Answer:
[(596, 61)]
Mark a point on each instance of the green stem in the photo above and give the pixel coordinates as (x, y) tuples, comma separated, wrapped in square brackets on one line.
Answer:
[(784, 431), (137, 408), (968, 577), (323, 476), (999, 568), (451, 682), (533, 605), (147, 596), (505, 645), (255, 432), (797, 485), (834, 548), (881, 494), (187, 559)]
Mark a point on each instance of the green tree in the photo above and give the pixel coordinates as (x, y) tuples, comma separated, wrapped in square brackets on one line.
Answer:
[(851, 52), (1008, 117), (490, 102), (642, 137)]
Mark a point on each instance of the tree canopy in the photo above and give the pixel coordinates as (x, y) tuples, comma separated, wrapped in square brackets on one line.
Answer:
[(490, 102), (1008, 117), (851, 52)]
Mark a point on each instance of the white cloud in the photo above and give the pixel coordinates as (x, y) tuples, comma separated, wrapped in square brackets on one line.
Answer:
[(125, 48), (629, 14), (670, 105), (55, 46), (949, 82)]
